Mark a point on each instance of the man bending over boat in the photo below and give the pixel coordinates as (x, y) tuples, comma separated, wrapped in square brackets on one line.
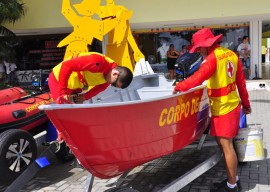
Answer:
[(223, 70), (91, 70)]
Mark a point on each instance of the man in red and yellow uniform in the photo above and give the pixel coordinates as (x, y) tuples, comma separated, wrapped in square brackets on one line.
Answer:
[(92, 70), (223, 70)]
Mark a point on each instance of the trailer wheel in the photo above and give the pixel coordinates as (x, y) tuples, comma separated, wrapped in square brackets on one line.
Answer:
[(18, 150), (64, 153)]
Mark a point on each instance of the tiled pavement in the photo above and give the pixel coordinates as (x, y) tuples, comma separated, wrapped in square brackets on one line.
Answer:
[(152, 176)]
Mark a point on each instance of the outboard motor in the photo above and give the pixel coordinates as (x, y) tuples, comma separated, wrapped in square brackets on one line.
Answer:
[(40, 82), (187, 64)]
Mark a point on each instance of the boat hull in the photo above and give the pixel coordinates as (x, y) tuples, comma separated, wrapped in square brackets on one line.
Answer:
[(111, 139)]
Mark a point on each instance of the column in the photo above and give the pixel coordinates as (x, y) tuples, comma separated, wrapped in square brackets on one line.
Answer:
[(255, 29)]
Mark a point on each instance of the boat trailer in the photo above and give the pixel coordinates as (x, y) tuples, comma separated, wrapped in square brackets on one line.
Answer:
[(176, 185)]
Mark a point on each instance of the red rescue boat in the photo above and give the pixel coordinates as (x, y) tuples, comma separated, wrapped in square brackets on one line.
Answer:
[(9, 94), (121, 129), (22, 112)]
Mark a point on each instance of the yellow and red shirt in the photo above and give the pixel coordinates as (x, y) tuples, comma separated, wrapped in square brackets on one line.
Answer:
[(85, 70), (223, 70)]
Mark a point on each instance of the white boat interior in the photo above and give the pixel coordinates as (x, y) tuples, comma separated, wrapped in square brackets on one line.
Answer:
[(143, 87)]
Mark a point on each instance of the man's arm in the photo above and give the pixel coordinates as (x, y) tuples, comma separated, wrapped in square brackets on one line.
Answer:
[(249, 50), (207, 69), (239, 50), (80, 98), (241, 86), (95, 90)]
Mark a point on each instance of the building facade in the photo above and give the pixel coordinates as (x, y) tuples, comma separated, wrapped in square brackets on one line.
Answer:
[(152, 18)]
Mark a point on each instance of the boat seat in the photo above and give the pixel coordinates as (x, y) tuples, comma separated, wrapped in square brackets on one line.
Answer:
[(154, 92), (115, 95)]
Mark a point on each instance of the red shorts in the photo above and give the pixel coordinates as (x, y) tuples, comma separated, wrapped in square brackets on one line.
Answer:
[(226, 125)]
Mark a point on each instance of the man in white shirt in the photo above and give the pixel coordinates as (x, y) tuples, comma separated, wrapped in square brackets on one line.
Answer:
[(244, 53), (162, 50), (10, 70)]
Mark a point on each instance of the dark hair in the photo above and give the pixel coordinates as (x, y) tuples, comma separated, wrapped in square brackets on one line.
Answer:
[(245, 37), (125, 76), (184, 46), (171, 45)]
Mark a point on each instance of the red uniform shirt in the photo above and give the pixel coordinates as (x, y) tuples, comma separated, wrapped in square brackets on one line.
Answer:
[(88, 69), (207, 69)]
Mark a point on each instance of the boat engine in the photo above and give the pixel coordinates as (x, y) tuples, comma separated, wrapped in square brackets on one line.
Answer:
[(186, 65)]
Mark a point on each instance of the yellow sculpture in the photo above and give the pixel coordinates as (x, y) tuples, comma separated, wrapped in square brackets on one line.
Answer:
[(114, 21), (120, 38)]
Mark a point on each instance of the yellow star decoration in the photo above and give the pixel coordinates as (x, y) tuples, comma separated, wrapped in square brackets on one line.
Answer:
[(113, 20)]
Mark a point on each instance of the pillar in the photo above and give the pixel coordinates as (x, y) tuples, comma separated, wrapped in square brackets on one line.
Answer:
[(256, 48)]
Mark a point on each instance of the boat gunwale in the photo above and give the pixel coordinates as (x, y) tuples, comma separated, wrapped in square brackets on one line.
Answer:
[(114, 104)]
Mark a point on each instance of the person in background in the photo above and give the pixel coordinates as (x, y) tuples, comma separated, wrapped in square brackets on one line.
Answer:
[(264, 50), (172, 56), (2, 71), (244, 53), (162, 50), (222, 69), (92, 70), (10, 71), (239, 41), (184, 50)]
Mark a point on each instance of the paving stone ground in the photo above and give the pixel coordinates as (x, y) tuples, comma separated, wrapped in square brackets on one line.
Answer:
[(154, 175)]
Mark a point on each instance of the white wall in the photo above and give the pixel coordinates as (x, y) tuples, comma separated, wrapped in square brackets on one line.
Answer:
[(46, 14)]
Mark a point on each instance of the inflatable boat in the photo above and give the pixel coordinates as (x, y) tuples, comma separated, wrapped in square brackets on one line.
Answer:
[(9, 94), (118, 130), (20, 111)]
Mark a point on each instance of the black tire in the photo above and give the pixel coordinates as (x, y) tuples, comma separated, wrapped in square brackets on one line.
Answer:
[(18, 150), (64, 153)]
